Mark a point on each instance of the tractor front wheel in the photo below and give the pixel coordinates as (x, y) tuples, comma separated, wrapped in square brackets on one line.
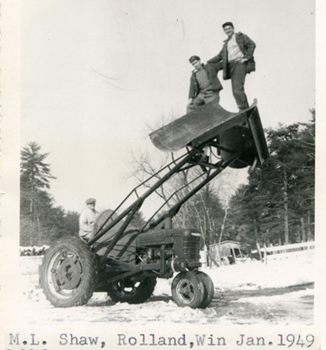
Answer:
[(188, 289), (208, 289)]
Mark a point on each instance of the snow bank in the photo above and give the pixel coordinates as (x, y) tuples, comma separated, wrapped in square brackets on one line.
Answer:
[(274, 274), (294, 270)]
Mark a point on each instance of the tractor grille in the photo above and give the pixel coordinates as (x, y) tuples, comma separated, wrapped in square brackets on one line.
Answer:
[(191, 247)]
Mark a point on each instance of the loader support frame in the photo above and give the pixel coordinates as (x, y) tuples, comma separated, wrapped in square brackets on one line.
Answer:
[(125, 261)]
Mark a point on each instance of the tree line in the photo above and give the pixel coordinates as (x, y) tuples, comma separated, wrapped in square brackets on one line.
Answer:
[(275, 206), (41, 222)]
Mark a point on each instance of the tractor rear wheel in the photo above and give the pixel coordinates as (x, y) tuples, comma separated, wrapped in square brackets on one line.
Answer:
[(67, 274), (132, 290)]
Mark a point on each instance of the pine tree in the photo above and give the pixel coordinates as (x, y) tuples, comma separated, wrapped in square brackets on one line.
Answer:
[(35, 176)]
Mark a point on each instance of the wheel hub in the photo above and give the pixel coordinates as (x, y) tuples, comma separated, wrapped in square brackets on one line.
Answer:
[(186, 290), (68, 274)]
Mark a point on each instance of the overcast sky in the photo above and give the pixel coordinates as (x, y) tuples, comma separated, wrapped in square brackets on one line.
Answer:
[(98, 75)]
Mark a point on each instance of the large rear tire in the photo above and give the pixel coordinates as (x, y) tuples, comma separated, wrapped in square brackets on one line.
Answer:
[(188, 289), (132, 290), (67, 274)]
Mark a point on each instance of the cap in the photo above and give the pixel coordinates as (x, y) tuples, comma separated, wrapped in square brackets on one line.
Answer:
[(90, 201)]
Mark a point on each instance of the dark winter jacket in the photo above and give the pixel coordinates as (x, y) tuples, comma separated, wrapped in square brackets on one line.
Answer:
[(247, 47), (212, 70)]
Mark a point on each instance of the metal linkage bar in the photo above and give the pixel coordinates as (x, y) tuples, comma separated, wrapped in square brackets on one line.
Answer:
[(114, 222), (174, 210), (134, 207), (169, 198)]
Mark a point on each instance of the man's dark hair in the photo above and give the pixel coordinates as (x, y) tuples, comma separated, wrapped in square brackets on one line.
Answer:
[(228, 24), (194, 58)]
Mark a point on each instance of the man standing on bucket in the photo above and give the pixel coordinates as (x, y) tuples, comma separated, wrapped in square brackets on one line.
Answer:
[(238, 60)]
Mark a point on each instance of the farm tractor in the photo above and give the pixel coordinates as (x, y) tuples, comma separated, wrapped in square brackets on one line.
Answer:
[(125, 262)]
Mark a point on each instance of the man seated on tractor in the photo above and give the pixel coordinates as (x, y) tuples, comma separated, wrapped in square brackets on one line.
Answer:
[(125, 248), (87, 220)]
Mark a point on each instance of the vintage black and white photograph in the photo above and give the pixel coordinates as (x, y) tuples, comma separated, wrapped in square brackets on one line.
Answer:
[(166, 176)]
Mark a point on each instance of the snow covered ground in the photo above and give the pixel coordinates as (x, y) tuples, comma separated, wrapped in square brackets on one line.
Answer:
[(277, 293)]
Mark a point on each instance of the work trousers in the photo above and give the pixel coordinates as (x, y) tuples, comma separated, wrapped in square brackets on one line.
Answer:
[(203, 98), (238, 74)]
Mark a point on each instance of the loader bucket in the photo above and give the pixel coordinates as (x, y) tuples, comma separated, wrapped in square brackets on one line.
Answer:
[(233, 131)]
